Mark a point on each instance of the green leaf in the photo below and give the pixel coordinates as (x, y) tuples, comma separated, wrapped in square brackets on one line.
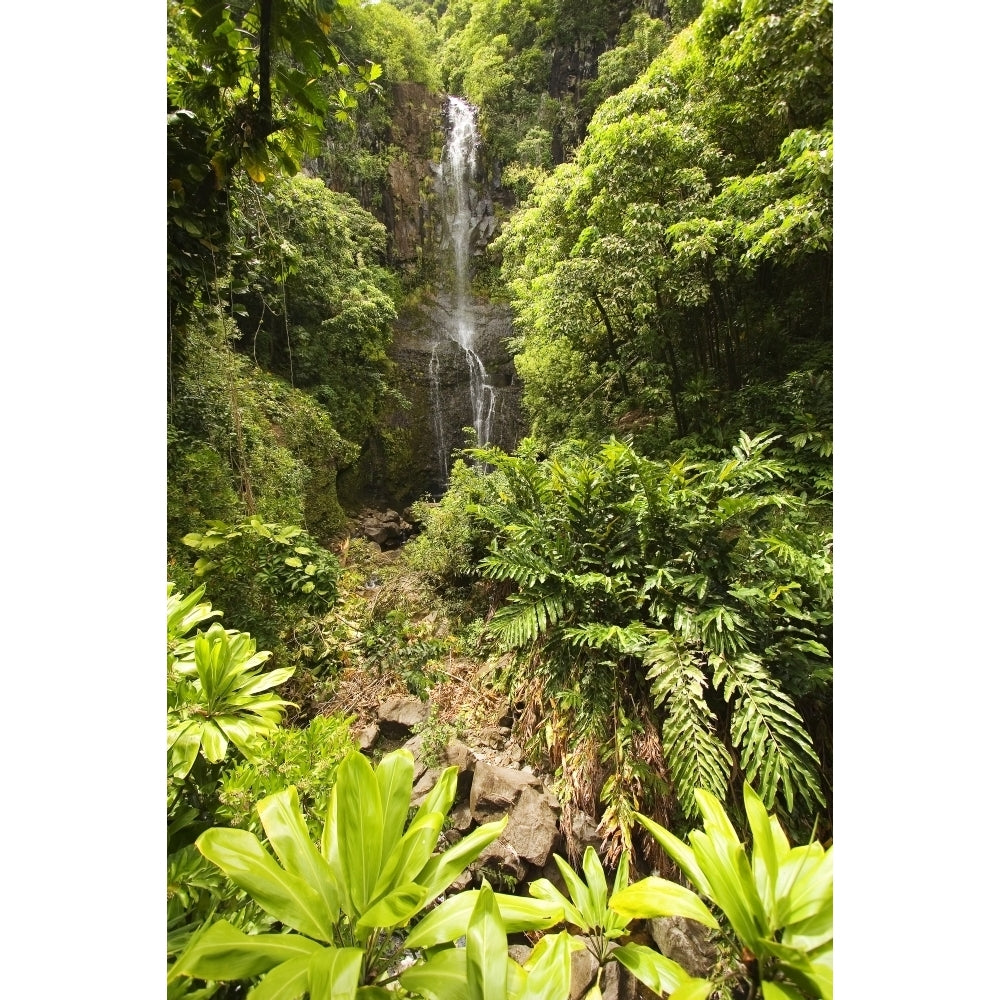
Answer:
[(213, 742), (542, 888), (334, 973), (395, 909), (288, 981), (359, 828), (780, 991), (661, 974), (441, 977), (449, 920), (444, 868), (656, 897), (486, 950), (580, 894), (287, 898), (224, 953), (549, 969), (286, 830), (679, 851), (411, 854), (395, 782), (441, 796)]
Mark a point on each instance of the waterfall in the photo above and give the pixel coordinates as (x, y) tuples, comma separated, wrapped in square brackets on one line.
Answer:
[(458, 167)]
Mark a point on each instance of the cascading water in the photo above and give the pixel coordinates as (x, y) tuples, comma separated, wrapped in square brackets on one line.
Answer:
[(458, 167)]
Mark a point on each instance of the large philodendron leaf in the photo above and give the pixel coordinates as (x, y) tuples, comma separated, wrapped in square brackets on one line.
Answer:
[(284, 896)]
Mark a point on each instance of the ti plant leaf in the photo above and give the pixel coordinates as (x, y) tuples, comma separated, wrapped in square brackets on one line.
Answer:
[(779, 900), (343, 902)]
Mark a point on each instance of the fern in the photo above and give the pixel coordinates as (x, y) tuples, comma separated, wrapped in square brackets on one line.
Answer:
[(523, 620), (775, 749), (693, 752)]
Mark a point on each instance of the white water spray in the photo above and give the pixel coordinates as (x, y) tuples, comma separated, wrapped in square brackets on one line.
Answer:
[(458, 167)]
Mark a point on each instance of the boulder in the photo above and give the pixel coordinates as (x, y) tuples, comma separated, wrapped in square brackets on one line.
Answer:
[(495, 790), (399, 716), (532, 831), (619, 983), (583, 969), (368, 737), (687, 942), (387, 529)]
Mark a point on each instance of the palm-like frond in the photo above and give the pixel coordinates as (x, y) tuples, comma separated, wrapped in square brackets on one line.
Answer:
[(693, 752), (775, 749)]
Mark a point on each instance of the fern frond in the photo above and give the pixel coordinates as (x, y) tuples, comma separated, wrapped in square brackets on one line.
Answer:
[(693, 752), (628, 641), (522, 620), (775, 749)]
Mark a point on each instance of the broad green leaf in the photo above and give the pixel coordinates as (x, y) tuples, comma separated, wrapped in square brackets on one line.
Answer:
[(597, 881), (441, 977), (287, 898), (809, 935), (441, 797), (330, 849), (656, 897), (548, 969), (765, 853), (679, 851), (394, 910), (286, 830), (804, 883), (410, 854), (186, 741), (715, 816), (270, 680), (542, 888), (359, 828), (213, 742), (728, 872), (780, 991), (580, 894), (288, 981), (450, 920), (334, 973), (395, 782), (486, 950), (224, 953), (444, 868), (661, 974)]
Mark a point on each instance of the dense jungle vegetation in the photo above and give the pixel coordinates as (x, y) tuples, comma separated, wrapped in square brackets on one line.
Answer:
[(644, 585)]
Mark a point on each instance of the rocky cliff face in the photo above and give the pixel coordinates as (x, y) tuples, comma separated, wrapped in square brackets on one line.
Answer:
[(412, 455), (416, 131)]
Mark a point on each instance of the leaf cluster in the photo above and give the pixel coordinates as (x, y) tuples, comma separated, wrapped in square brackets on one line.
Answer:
[(691, 587)]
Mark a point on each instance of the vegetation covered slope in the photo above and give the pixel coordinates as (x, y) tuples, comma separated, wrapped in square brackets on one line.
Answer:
[(649, 575)]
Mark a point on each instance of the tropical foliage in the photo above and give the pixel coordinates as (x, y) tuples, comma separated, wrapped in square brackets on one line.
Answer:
[(697, 588), (778, 900), (343, 902), (645, 582), (688, 242)]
